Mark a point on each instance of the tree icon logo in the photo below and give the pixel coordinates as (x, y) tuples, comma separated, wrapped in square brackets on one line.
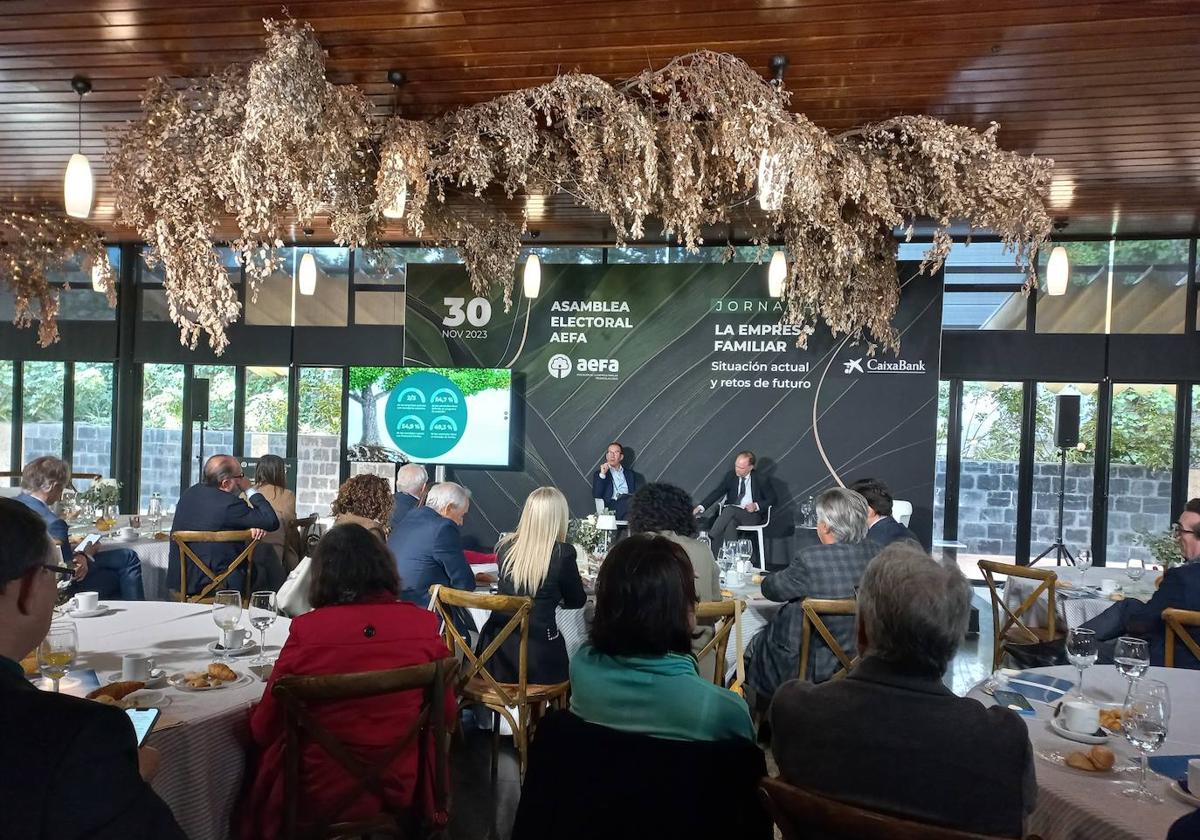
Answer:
[(559, 366)]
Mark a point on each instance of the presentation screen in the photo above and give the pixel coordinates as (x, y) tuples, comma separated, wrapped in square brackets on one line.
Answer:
[(452, 416)]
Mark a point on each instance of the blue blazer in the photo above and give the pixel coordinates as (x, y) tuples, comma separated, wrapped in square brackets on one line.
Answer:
[(1180, 589), (887, 530), (55, 524), (404, 505), (602, 488), (428, 550), (205, 508)]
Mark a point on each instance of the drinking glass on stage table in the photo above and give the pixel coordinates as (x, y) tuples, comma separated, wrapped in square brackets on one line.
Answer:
[(745, 550), (1081, 651), (724, 560), (1083, 562), (263, 611), (1132, 658), (1136, 568), (227, 614), (56, 654), (1144, 723)]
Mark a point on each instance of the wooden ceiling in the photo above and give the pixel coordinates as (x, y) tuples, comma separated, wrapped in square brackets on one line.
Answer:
[(1110, 90)]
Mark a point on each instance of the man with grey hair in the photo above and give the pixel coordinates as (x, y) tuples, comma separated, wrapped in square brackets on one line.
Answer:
[(847, 738), (428, 546), (115, 573), (831, 569), (411, 481)]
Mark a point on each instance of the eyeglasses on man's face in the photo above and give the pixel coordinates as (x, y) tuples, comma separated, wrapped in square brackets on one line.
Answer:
[(60, 572), (1178, 530)]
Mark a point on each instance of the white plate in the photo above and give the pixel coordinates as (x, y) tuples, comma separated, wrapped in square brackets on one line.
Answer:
[(1181, 794), (1061, 730), (248, 648), (157, 677), (121, 539), (1059, 759), (101, 609), (147, 699), (178, 681)]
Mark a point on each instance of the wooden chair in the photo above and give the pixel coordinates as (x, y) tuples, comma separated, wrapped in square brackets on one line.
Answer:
[(1177, 621), (813, 609), (186, 556), (728, 616), (477, 686), (800, 813), (297, 697), (1015, 632)]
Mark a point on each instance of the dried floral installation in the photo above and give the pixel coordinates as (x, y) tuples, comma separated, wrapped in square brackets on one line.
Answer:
[(690, 144), (35, 244)]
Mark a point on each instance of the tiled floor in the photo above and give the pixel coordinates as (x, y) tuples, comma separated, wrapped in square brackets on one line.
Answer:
[(483, 808)]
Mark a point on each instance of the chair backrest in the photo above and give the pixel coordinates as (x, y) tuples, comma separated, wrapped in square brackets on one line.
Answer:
[(728, 615), (1047, 581), (298, 695), (443, 599), (1177, 621), (902, 511), (813, 609), (799, 813), (186, 556)]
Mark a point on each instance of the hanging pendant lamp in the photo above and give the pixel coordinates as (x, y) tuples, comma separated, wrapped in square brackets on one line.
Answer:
[(78, 185)]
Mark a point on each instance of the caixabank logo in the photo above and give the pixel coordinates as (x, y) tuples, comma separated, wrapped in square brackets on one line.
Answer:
[(560, 366), (870, 365)]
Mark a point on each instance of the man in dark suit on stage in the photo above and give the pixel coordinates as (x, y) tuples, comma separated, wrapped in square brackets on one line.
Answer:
[(411, 480), (614, 483), (71, 766), (882, 529), (216, 504), (746, 496)]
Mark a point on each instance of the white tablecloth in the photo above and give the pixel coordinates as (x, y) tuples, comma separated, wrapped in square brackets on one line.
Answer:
[(153, 553), (1075, 806), (202, 736), (1076, 604)]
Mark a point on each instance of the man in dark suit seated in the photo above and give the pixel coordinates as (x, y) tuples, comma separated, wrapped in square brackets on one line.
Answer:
[(71, 766), (829, 570), (428, 546), (882, 529), (746, 496), (614, 483), (1180, 589), (217, 504), (114, 573), (890, 736), (411, 480)]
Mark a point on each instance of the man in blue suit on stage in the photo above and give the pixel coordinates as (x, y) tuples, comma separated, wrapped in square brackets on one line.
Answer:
[(614, 483)]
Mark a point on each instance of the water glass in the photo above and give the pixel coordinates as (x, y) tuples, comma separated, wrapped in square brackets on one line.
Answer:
[(227, 614), (1132, 658), (1144, 723), (56, 654), (745, 550), (1136, 568), (263, 611), (1083, 562), (1081, 651)]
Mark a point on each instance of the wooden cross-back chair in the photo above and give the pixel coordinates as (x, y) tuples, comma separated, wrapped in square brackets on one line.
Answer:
[(799, 813), (813, 609), (187, 556), (477, 686), (728, 616), (1015, 631), (299, 695), (1177, 622)]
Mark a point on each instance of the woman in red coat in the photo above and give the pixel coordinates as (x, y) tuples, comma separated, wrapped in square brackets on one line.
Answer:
[(357, 625)]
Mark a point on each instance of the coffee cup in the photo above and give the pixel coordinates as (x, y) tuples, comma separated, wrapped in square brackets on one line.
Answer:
[(128, 533), (1193, 776), (86, 601), (1080, 716), (137, 666), (1108, 586)]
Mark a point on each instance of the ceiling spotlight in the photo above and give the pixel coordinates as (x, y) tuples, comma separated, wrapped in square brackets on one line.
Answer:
[(533, 276), (776, 274), (78, 186)]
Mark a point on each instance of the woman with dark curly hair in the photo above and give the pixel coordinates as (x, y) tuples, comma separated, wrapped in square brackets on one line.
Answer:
[(665, 510), (365, 500)]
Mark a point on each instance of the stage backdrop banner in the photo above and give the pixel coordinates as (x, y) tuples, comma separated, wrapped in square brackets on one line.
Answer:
[(685, 365)]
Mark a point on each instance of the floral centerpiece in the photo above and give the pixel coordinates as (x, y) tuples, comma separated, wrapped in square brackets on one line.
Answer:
[(585, 533), (1162, 546), (104, 496)]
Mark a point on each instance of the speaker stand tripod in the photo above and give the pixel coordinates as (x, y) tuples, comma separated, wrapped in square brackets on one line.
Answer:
[(1058, 546)]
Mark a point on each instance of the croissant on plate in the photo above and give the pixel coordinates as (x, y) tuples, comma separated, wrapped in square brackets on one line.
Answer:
[(221, 671), (117, 690)]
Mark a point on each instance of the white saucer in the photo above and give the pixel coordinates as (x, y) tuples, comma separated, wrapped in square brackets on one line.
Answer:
[(1061, 730), (146, 699), (244, 650), (1181, 794), (157, 677), (101, 609), (121, 539)]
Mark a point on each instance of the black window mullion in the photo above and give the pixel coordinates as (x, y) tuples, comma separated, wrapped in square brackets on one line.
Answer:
[(343, 445), (1104, 409), (68, 412), (953, 462), (185, 466), (1181, 454), (293, 415), (1025, 471), (18, 417), (127, 384), (1189, 324), (239, 411)]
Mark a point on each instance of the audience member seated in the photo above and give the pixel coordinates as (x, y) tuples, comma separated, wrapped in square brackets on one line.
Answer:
[(829, 570), (114, 573), (357, 625), (1180, 589), (411, 482), (890, 736), (72, 766), (217, 504), (638, 673), (428, 545), (882, 529), (666, 510), (365, 500), (270, 480), (1186, 827), (537, 561)]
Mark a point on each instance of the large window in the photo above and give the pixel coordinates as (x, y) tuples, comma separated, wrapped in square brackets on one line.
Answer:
[(42, 402), (1078, 485), (266, 411), (162, 433), (1139, 472), (92, 434), (319, 441), (991, 447), (281, 303)]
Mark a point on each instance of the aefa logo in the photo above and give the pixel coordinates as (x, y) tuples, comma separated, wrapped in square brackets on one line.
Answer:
[(559, 366), (850, 366)]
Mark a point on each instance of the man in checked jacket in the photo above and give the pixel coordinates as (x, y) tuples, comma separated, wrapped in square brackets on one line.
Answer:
[(829, 570)]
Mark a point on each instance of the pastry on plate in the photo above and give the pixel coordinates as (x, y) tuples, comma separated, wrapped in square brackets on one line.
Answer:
[(117, 690), (221, 671)]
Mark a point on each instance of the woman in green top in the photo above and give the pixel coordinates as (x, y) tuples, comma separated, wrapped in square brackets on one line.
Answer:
[(638, 673)]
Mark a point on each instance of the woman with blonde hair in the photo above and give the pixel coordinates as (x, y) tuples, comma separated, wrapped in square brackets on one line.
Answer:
[(537, 561)]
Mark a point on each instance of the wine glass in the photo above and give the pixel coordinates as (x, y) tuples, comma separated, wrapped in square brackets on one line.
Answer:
[(1135, 568), (745, 550), (227, 614), (1144, 723), (1132, 658), (1083, 562), (56, 653), (263, 611), (1081, 651), (725, 559)]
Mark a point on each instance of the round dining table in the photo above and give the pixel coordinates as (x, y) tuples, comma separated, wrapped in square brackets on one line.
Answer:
[(202, 736), (1074, 805)]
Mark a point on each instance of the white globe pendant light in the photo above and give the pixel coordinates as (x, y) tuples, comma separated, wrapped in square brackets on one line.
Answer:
[(776, 274), (1058, 271), (533, 276), (78, 186), (308, 274)]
